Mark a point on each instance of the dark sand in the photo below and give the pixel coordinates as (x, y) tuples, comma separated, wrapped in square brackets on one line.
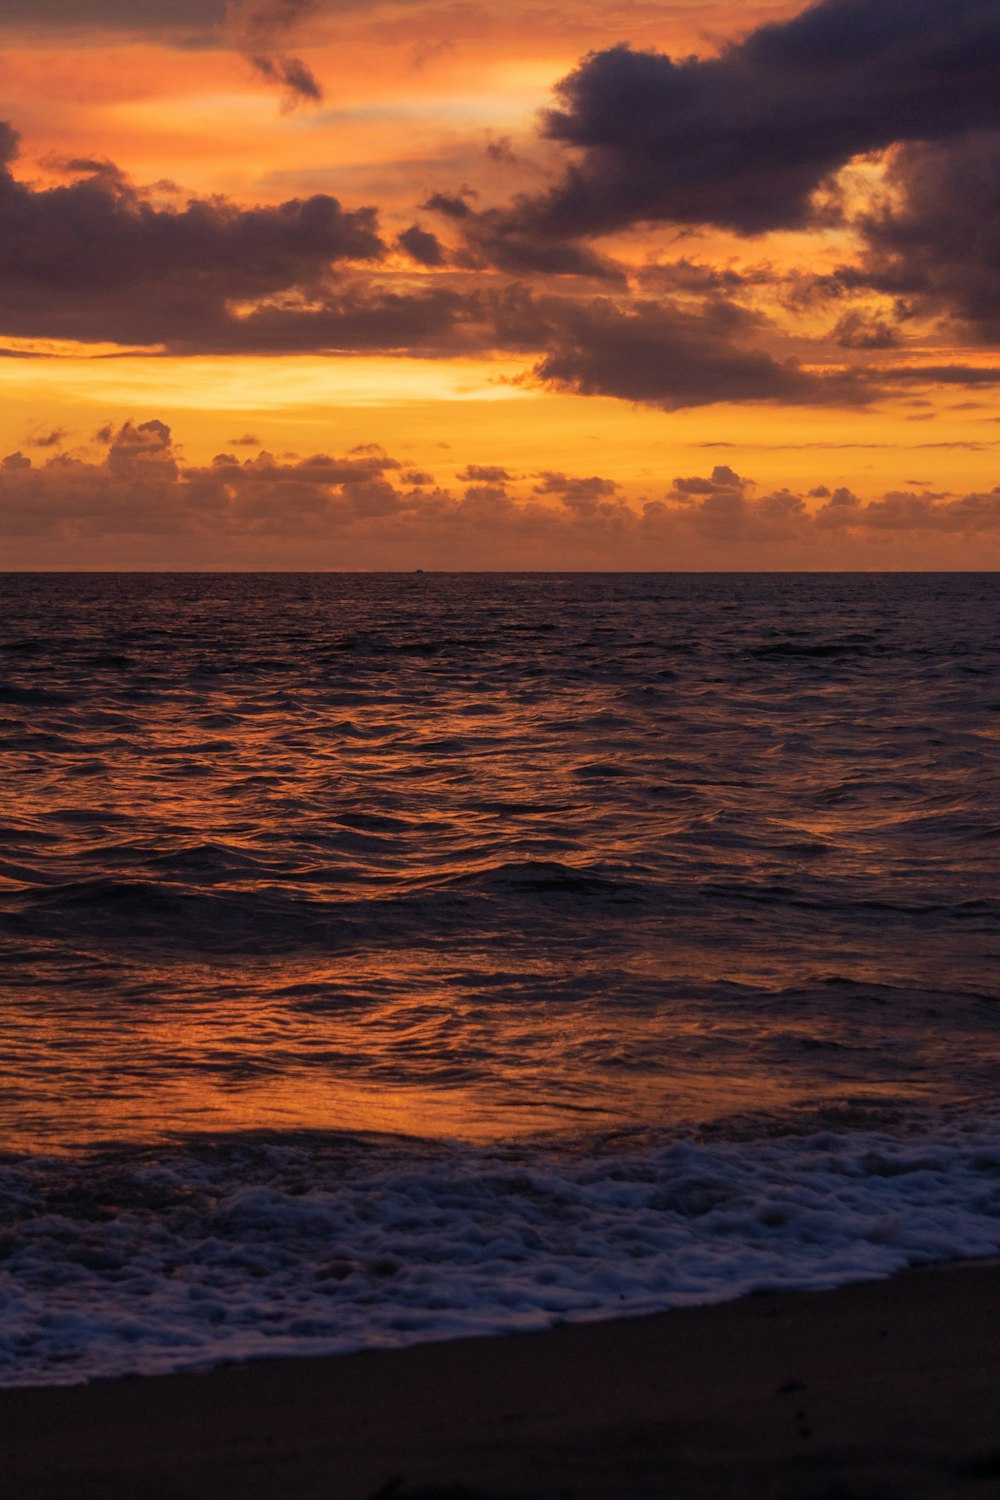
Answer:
[(885, 1391)]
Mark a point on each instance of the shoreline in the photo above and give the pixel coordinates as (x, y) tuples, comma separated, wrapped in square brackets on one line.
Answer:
[(878, 1390)]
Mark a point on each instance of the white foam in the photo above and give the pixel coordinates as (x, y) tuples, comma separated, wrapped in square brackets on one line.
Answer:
[(193, 1258)]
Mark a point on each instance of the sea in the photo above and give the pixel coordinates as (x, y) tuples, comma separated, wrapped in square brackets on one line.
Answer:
[(389, 958)]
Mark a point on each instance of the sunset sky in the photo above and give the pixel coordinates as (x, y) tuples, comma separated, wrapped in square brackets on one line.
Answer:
[(462, 284)]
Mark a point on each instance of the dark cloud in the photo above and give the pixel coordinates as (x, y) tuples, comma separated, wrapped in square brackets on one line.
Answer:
[(259, 28), (436, 321), (693, 278), (85, 166), (940, 375), (936, 243), (493, 239), (722, 481), (863, 330), (666, 356), (48, 438), (497, 238), (452, 205), (297, 80), (98, 260), (10, 143), (498, 149), (317, 469), (745, 138), (425, 248), (485, 474), (724, 506), (487, 501)]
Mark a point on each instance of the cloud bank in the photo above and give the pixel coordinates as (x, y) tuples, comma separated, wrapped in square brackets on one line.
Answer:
[(141, 504)]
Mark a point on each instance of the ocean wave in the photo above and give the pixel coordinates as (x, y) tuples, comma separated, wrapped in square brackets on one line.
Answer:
[(481, 857), (146, 1261)]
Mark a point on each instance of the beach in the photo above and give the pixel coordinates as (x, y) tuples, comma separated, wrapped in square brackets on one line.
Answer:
[(883, 1389)]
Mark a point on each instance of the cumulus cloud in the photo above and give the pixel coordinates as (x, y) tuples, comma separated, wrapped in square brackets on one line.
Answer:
[(901, 511), (142, 452), (864, 330), (744, 139), (726, 505), (141, 486), (485, 474), (422, 246), (584, 494), (141, 501), (98, 259)]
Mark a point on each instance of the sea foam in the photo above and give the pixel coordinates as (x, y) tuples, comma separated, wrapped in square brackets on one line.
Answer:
[(140, 1262)]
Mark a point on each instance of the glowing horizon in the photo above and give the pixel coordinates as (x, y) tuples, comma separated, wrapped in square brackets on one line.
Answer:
[(339, 230)]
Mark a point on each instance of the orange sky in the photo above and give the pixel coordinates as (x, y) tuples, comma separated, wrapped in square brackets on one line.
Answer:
[(578, 316)]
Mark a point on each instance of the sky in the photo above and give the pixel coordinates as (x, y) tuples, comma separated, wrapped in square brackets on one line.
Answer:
[(549, 284)]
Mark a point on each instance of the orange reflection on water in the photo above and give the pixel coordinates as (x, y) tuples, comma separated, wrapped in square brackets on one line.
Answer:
[(480, 856), (421, 1059)]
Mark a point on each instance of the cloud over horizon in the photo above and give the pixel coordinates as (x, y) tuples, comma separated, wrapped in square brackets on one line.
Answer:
[(328, 511)]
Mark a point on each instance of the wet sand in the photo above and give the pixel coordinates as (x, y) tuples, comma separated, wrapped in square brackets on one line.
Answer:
[(884, 1391)]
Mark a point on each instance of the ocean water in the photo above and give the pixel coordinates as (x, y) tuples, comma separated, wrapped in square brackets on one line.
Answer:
[(393, 957)]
